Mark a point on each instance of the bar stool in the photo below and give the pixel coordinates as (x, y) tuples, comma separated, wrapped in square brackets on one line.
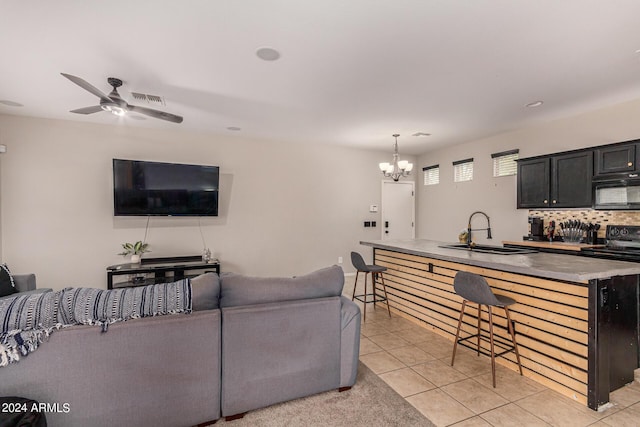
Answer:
[(475, 289), (375, 270)]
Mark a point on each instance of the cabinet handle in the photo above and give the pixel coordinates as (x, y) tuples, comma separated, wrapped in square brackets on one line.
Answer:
[(630, 164), (545, 201), (633, 175), (554, 202)]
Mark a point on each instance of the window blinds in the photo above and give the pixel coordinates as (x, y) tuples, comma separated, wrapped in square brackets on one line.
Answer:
[(463, 170), (431, 175), (504, 163)]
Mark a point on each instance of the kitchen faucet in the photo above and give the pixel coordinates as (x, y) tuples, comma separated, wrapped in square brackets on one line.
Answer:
[(469, 230)]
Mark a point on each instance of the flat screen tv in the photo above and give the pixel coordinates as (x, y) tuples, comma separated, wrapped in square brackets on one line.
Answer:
[(168, 189)]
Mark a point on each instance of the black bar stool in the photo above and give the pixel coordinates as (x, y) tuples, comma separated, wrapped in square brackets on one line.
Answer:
[(375, 270), (475, 289)]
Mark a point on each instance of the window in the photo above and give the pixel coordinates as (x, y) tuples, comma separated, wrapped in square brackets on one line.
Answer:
[(463, 170), (431, 175), (504, 164)]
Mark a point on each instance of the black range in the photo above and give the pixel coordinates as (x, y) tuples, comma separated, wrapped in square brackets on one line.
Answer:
[(622, 243)]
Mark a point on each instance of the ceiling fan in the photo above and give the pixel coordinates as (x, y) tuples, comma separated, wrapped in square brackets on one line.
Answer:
[(114, 104)]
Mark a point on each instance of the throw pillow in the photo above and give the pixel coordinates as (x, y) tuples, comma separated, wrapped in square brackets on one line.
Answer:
[(236, 289), (205, 292), (7, 287)]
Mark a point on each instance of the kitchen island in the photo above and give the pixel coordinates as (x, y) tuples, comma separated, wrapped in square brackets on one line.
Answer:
[(576, 319)]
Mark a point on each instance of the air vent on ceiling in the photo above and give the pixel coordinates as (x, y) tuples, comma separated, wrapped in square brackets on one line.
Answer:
[(151, 99)]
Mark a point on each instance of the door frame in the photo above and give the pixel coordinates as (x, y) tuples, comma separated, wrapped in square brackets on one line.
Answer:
[(413, 204)]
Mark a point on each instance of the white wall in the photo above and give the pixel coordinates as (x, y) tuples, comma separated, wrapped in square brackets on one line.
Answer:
[(286, 209), (444, 209)]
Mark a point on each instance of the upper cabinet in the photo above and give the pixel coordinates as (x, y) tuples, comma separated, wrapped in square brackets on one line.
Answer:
[(571, 180), (533, 182), (559, 181), (617, 159)]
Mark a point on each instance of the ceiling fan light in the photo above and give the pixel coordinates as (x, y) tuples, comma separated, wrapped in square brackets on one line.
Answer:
[(383, 166), (118, 111), (402, 164), (114, 109), (409, 167)]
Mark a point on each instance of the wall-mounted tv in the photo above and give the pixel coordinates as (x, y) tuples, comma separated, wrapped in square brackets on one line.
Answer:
[(169, 189)]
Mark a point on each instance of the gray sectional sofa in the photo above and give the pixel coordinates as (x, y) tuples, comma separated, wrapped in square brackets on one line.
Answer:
[(250, 342)]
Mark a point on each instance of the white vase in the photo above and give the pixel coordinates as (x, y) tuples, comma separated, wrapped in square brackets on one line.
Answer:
[(135, 259)]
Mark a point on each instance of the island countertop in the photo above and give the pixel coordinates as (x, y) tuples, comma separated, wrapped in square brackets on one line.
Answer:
[(560, 246), (548, 265)]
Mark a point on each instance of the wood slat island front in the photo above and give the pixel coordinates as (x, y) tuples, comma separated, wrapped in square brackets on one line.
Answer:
[(563, 336)]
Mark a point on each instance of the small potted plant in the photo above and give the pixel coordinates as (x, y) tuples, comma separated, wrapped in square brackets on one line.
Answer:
[(135, 250)]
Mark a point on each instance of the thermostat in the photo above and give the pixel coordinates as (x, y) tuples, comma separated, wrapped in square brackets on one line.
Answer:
[(373, 208)]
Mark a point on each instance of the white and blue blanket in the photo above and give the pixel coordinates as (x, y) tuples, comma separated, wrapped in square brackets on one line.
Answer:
[(28, 320)]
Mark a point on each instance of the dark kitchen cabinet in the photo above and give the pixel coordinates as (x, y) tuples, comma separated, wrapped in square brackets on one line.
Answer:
[(559, 181), (616, 159), (533, 182), (571, 180)]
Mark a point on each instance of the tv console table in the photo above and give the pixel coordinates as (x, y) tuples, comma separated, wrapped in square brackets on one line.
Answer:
[(159, 267)]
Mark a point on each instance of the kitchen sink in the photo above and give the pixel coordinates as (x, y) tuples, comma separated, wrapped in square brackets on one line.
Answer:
[(488, 249)]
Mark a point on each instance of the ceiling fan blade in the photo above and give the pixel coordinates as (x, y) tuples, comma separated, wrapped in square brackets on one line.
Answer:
[(155, 113), (88, 87), (87, 110)]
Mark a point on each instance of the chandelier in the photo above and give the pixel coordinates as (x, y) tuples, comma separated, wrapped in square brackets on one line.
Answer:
[(397, 169)]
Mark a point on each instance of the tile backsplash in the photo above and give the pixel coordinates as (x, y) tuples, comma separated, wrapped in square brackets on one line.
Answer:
[(589, 215)]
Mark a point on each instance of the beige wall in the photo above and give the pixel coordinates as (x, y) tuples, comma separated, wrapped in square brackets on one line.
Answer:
[(286, 209), (443, 210), (1, 258)]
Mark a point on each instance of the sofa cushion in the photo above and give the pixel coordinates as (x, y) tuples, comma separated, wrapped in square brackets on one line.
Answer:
[(7, 287), (279, 351), (205, 292), (237, 289)]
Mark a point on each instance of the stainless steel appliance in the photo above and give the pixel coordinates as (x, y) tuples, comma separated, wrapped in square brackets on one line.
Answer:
[(622, 243)]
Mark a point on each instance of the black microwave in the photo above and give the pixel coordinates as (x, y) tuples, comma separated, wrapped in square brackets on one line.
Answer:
[(621, 192)]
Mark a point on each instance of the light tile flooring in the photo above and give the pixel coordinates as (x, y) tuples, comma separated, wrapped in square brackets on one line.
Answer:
[(416, 363)]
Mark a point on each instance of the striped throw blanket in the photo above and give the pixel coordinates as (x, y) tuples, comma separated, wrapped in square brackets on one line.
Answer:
[(28, 320)]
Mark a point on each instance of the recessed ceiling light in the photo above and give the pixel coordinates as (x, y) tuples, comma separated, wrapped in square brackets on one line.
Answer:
[(10, 103), (234, 128), (638, 51), (534, 104), (421, 134), (268, 54)]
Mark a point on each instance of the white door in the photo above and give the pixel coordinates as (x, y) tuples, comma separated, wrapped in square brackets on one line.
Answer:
[(398, 210)]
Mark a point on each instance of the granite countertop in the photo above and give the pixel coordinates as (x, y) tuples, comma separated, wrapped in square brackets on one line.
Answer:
[(549, 265)]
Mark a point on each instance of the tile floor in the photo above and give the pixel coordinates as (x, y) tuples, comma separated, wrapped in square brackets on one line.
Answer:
[(416, 363)]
